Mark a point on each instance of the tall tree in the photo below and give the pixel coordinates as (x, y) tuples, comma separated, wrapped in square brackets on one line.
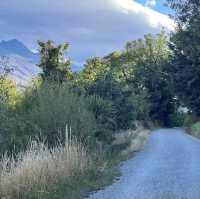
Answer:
[(185, 43), (53, 61), (148, 59), (139, 73)]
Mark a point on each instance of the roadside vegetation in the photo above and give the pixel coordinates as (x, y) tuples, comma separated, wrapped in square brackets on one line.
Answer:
[(185, 64), (37, 170), (38, 160), (61, 136), (195, 129)]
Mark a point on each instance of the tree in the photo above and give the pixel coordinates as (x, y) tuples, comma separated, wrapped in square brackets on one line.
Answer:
[(8, 91), (53, 62), (135, 80), (8, 88), (94, 68), (148, 59), (185, 43), (111, 90), (185, 11)]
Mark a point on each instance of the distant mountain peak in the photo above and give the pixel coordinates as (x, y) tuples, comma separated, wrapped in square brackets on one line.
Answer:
[(16, 47), (13, 43), (21, 59)]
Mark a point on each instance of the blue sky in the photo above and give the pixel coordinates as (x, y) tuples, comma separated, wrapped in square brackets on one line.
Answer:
[(159, 6), (92, 27)]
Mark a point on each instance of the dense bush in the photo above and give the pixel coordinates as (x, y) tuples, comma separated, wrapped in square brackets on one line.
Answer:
[(15, 131), (104, 113), (185, 67), (53, 106), (9, 96), (46, 108), (8, 91), (127, 105), (44, 112)]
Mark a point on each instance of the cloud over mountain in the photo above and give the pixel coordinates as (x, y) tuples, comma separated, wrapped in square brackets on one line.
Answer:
[(92, 27)]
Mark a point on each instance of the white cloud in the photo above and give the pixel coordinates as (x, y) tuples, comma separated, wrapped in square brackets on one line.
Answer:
[(151, 3), (92, 27)]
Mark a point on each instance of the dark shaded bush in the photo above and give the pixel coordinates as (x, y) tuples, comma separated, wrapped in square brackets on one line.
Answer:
[(113, 91), (104, 113), (50, 107)]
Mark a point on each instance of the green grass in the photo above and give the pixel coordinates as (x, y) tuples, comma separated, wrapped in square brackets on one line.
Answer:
[(67, 171), (81, 187)]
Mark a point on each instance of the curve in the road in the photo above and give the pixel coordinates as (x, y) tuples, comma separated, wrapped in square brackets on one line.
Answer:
[(167, 168)]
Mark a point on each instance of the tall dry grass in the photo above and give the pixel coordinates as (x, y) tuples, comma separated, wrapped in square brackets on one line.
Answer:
[(40, 169), (133, 139)]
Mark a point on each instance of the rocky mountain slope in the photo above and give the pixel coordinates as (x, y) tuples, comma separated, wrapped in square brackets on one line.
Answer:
[(20, 59)]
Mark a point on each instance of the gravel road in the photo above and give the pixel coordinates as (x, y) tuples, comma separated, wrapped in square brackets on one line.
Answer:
[(167, 168)]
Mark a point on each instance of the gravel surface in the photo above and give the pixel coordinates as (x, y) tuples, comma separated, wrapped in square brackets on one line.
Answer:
[(168, 168)]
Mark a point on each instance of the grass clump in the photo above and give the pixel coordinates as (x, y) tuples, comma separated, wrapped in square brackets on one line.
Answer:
[(40, 170), (132, 140)]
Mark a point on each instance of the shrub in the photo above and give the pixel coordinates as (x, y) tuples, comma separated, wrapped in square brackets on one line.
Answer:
[(8, 91), (9, 125), (43, 112), (40, 169), (119, 96), (189, 119), (52, 106), (195, 129), (104, 113), (141, 105)]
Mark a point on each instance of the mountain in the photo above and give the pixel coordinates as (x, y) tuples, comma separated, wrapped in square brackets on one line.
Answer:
[(22, 60)]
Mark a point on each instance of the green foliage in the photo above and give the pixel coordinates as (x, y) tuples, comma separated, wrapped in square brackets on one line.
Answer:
[(136, 81), (185, 68), (54, 106), (195, 129), (8, 91), (103, 111), (108, 95), (148, 60), (152, 50), (53, 62), (95, 68), (15, 131), (9, 96), (185, 11), (141, 104), (44, 112), (109, 89)]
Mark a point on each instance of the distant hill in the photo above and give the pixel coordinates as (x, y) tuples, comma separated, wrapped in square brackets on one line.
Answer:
[(22, 60), (18, 48)]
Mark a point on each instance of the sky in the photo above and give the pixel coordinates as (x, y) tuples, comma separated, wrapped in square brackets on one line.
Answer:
[(158, 5), (91, 27)]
